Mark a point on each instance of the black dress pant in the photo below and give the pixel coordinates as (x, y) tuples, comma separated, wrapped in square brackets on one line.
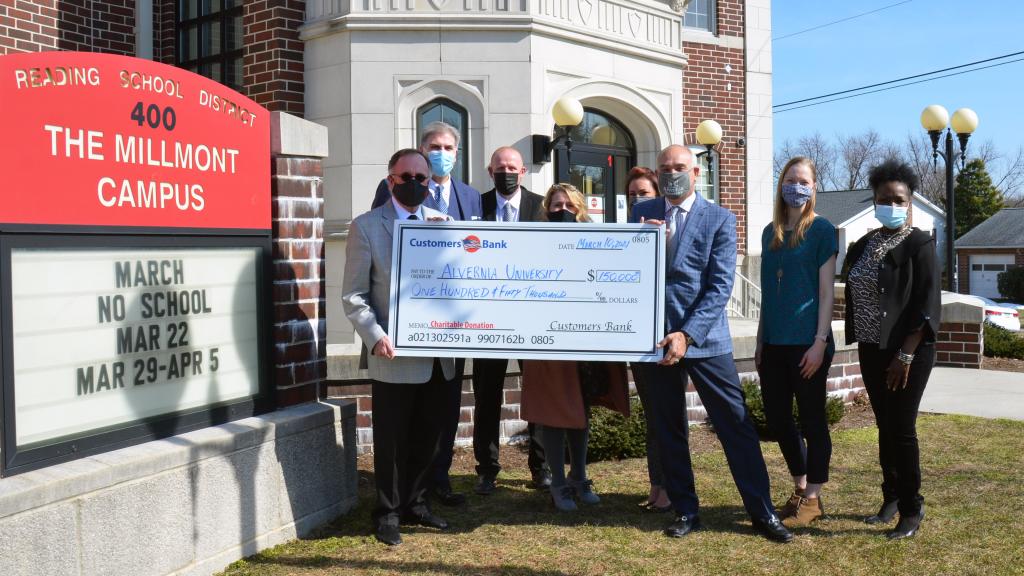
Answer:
[(488, 393), (406, 430), (896, 416), (807, 449), (449, 429)]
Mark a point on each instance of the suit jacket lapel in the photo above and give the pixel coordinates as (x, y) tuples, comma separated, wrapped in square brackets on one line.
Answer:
[(456, 197), (690, 226), (387, 218)]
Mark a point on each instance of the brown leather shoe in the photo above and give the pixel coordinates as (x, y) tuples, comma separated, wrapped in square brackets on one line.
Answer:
[(808, 510), (789, 508)]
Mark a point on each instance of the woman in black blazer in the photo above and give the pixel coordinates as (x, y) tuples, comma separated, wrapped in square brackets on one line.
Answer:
[(893, 304)]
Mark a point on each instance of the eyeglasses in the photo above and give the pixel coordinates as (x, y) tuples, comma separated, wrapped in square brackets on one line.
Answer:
[(405, 177)]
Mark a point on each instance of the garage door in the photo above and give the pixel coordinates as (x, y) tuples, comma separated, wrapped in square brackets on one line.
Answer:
[(985, 269)]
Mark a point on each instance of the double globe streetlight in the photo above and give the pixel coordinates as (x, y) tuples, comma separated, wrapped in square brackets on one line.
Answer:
[(935, 119)]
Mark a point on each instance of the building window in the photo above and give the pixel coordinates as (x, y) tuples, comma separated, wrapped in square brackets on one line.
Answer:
[(707, 180), (209, 39), (444, 110), (700, 15)]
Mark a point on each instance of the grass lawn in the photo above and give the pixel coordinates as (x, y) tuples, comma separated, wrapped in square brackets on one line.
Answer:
[(973, 472)]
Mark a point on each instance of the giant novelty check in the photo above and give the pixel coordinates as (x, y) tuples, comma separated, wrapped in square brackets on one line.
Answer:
[(527, 290)]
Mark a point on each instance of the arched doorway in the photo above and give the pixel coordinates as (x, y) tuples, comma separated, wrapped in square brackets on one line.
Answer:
[(603, 151)]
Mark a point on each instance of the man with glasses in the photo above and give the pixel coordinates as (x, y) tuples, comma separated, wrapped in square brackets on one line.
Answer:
[(508, 201), (408, 393), (440, 143)]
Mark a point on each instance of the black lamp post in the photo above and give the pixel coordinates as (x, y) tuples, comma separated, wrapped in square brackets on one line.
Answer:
[(934, 119)]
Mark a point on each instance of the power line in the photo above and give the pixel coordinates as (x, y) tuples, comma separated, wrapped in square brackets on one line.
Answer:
[(784, 104), (841, 20), (898, 86)]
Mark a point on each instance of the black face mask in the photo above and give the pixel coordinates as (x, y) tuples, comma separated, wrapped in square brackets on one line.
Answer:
[(410, 193), (506, 183), (561, 216)]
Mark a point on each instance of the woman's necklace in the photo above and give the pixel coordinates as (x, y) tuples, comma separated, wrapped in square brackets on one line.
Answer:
[(779, 273)]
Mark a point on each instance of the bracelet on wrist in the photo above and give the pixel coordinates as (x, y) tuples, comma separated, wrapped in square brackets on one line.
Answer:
[(905, 358)]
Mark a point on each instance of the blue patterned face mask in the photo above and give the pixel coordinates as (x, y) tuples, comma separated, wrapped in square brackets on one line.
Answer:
[(441, 162), (892, 217), (796, 195)]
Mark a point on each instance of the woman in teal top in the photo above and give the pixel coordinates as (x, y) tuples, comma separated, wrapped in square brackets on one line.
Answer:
[(794, 335)]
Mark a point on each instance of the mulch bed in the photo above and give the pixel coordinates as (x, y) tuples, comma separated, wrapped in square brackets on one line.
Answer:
[(1003, 364)]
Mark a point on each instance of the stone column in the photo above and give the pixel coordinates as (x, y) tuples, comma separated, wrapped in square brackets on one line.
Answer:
[(298, 148)]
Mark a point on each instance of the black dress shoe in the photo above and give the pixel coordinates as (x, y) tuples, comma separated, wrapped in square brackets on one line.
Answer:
[(448, 498), (906, 527), (682, 525), (485, 485), (425, 518), (541, 479), (388, 534), (885, 514), (772, 529)]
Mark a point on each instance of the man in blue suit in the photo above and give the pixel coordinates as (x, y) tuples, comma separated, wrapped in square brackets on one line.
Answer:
[(700, 267), (440, 143)]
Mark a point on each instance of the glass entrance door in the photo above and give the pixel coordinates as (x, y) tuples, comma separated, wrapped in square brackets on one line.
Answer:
[(602, 154)]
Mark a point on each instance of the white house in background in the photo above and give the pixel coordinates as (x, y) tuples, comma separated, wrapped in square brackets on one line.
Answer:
[(987, 250), (853, 214)]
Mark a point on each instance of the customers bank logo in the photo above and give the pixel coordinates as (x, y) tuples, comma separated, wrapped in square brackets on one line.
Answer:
[(470, 243)]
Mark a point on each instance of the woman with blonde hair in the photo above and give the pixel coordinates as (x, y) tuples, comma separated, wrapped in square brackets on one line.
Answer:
[(564, 203), (794, 335), (557, 394)]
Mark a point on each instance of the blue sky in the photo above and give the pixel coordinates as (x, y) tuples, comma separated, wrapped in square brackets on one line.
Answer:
[(912, 38)]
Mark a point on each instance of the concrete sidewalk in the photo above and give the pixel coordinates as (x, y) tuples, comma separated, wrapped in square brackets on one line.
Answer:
[(985, 393)]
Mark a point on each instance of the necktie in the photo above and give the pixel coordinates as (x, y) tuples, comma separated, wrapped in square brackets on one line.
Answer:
[(413, 217), (673, 221), (506, 212), (442, 206)]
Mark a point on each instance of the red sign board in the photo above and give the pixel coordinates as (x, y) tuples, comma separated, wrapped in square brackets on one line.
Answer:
[(104, 140)]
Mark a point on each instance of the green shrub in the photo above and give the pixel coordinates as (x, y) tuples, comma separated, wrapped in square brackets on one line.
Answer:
[(614, 437), (1003, 343), (1011, 283), (835, 409)]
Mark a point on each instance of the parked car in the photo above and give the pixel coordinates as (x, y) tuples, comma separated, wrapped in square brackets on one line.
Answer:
[(1002, 315)]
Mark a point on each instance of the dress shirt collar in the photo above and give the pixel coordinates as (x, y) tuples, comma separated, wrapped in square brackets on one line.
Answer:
[(402, 214), (445, 187), (513, 200), (687, 204)]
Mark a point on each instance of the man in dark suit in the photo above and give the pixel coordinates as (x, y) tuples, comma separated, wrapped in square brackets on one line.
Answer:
[(440, 143), (700, 268), (508, 201)]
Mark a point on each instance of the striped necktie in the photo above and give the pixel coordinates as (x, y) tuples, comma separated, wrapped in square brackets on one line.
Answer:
[(673, 232)]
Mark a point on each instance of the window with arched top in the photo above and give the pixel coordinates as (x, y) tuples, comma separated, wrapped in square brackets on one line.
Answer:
[(601, 130), (707, 180), (447, 111)]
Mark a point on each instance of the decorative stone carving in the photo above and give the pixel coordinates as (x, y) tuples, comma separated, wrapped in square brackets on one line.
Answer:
[(679, 5)]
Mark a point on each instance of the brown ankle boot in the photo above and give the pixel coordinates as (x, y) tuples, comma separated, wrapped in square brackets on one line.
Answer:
[(789, 508), (808, 510)]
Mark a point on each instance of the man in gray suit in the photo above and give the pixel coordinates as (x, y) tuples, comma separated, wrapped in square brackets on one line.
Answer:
[(408, 393)]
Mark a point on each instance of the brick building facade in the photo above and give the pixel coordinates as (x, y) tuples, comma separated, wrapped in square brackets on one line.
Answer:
[(714, 86)]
